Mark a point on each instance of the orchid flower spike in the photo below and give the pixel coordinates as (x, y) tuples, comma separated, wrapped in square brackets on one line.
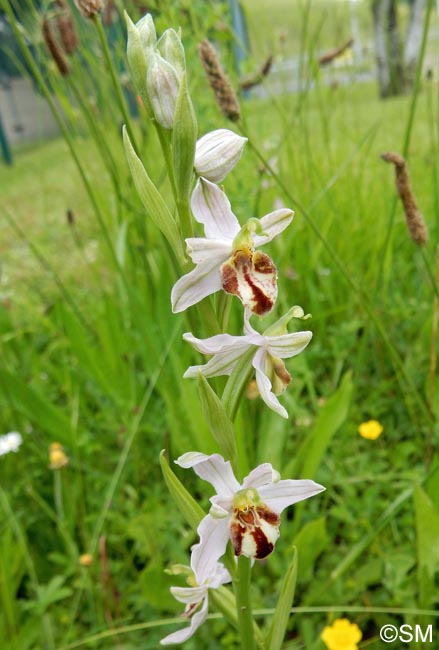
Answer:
[(217, 153), (193, 597), (276, 344), (247, 514), (226, 258)]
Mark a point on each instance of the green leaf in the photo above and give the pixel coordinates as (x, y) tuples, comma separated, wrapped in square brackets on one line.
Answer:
[(329, 420), (427, 536), (152, 200), (36, 407), (185, 502), (216, 417), (282, 612), (184, 139), (310, 542)]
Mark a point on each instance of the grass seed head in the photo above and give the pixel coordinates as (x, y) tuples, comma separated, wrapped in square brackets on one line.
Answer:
[(90, 8), (55, 48), (415, 220), (66, 28), (225, 96)]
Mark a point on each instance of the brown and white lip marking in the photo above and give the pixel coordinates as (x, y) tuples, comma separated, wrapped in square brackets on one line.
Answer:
[(254, 531), (252, 277)]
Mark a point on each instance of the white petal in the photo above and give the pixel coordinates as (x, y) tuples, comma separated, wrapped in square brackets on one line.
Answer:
[(221, 506), (194, 286), (189, 595), (214, 535), (261, 475), (213, 469), (211, 207), (217, 343), (288, 345), (264, 384), (278, 496), (226, 349), (273, 224), (220, 577), (221, 363), (183, 635), (201, 249)]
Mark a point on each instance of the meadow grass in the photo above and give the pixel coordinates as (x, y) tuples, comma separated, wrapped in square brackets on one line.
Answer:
[(91, 357)]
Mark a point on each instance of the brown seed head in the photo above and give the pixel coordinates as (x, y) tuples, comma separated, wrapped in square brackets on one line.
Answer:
[(90, 8), (67, 31), (108, 17), (54, 47), (328, 57), (256, 78), (415, 220), (219, 82)]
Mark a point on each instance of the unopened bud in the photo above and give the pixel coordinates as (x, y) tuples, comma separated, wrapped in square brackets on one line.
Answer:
[(86, 559), (162, 84), (137, 59), (146, 28), (57, 457), (217, 153), (172, 50)]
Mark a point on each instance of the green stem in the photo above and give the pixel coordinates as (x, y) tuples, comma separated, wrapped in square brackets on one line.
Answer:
[(57, 490), (185, 218), (237, 383), (243, 604), (114, 78), (165, 144)]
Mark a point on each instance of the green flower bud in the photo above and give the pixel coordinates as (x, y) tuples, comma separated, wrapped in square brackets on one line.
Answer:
[(163, 85), (171, 49), (136, 56), (146, 28)]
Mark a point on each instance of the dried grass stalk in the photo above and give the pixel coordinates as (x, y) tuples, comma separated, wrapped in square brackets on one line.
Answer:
[(415, 220), (335, 53), (256, 78), (54, 48), (219, 82)]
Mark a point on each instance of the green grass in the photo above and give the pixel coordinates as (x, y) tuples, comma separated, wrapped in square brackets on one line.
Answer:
[(91, 356)]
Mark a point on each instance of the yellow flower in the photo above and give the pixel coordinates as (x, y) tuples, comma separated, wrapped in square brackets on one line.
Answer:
[(370, 430), (341, 635), (57, 457), (86, 559)]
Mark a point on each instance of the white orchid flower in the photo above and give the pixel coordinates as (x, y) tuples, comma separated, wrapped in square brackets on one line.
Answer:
[(10, 442), (193, 597), (225, 258), (271, 348), (217, 153), (247, 514)]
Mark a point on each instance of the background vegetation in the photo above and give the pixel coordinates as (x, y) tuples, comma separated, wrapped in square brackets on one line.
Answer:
[(91, 356)]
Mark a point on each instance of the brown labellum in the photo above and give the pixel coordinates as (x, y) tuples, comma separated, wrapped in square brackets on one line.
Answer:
[(251, 276), (254, 531)]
